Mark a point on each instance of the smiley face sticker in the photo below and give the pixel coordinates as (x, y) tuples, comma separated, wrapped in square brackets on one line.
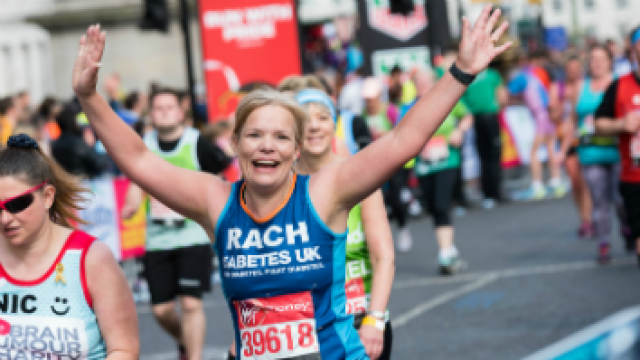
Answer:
[(60, 302)]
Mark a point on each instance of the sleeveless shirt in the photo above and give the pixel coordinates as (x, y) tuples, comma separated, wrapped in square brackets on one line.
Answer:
[(51, 317), (283, 278)]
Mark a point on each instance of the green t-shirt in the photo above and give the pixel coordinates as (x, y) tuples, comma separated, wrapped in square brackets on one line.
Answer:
[(481, 96), (359, 276), (380, 123), (438, 154), (166, 229)]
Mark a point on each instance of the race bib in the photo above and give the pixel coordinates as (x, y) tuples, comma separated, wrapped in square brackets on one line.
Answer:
[(35, 337), (279, 327), (588, 128), (436, 150), (160, 212), (356, 296)]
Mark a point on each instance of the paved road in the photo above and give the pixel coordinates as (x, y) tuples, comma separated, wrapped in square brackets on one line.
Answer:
[(529, 284)]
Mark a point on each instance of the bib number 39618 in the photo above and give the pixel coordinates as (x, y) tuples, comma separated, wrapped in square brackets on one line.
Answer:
[(279, 327)]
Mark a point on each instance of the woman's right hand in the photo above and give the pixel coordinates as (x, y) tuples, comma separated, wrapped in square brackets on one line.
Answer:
[(85, 70)]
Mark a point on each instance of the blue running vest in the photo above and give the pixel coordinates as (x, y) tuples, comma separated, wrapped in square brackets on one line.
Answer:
[(283, 278)]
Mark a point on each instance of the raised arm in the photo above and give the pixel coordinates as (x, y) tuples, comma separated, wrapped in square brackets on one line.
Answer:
[(190, 193), (369, 169)]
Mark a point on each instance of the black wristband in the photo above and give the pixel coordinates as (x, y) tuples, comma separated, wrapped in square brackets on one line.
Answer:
[(463, 77)]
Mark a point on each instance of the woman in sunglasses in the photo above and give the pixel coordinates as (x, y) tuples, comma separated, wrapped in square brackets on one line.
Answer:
[(62, 294)]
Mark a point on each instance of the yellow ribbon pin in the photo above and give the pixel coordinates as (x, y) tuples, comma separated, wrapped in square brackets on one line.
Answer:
[(59, 274)]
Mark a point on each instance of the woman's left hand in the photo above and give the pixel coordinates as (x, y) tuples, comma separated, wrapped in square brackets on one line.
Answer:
[(372, 339), (477, 48)]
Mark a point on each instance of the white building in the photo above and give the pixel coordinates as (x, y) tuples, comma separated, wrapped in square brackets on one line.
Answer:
[(25, 49), (599, 18), (139, 57)]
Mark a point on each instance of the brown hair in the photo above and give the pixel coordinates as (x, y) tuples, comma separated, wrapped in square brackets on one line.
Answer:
[(213, 131), (34, 167), (606, 50), (603, 48), (264, 97), (164, 91)]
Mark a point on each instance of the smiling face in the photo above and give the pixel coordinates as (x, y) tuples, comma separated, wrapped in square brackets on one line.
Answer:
[(319, 131), (19, 229), (599, 63), (266, 147)]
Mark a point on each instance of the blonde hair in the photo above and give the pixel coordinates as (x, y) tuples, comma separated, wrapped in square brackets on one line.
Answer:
[(215, 130), (296, 83), (264, 97)]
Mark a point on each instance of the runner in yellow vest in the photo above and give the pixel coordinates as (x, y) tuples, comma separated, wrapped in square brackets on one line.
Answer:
[(370, 255), (178, 259)]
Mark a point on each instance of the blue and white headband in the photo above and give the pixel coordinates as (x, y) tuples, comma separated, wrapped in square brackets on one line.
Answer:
[(313, 95)]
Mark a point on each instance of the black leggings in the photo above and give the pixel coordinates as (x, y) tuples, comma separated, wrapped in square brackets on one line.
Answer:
[(394, 199), (437, 192), (489, 145), (631, 198)]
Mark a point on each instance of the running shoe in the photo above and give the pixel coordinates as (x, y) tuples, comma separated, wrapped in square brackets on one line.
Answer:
[(585, 231), (629, 241), (604, 255), (559, 191), (459, 211), (405, 241), (488, 204), (182, 353), (537, 193), (452, 265)]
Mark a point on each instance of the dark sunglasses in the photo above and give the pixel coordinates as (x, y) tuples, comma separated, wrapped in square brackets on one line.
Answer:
[(21, 202)]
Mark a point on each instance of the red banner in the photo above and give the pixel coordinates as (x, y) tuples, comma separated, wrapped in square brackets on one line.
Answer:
[(246, 41)]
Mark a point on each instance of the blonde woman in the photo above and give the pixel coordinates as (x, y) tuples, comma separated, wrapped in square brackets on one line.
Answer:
[(280, 236)]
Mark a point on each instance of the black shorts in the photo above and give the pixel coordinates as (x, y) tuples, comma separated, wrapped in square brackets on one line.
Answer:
[(630, 193), (179, 272), (388, 336)]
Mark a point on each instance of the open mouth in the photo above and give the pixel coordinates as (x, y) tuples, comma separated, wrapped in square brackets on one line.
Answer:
[(265, 164), (10, 230)]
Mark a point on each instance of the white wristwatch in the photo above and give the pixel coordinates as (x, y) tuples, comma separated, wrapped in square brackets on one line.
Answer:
[(376, 314)]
